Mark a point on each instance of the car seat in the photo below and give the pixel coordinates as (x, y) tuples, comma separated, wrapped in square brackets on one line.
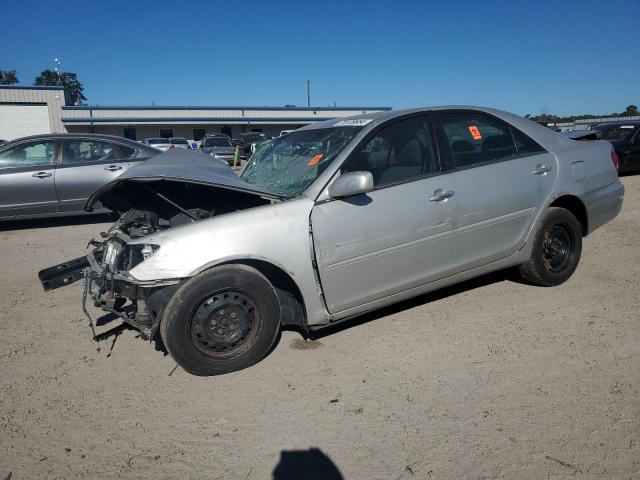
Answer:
[(498, 146)]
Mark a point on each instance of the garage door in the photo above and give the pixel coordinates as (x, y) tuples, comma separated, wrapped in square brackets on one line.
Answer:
[(22, 120)]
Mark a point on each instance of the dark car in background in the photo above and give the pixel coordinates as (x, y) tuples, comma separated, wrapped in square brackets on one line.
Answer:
[(220, 148), (625, 138), (249, 141), (53, 175)]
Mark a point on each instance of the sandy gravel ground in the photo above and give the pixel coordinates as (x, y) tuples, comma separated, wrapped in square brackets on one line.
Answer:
[(491, 379)]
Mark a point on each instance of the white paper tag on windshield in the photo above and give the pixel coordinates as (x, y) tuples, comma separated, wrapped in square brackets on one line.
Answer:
[(354, 122)]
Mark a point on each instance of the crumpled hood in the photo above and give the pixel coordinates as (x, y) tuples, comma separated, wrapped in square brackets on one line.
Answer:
[(181, 165)]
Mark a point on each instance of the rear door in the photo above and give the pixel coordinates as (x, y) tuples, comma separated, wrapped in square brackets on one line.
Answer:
[(27, 173), (398, 236), (85, 165), (501, 178)]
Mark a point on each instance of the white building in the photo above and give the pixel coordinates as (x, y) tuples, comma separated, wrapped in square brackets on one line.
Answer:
[(35, 110)]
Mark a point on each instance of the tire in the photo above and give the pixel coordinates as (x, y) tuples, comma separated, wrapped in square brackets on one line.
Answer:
[(222, 320), (557, 246)]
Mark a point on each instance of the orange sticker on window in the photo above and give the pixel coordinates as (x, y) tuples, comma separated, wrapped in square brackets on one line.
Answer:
[(475, 133), (315, 159)]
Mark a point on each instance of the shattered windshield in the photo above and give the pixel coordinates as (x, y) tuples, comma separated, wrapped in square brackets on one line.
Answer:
[(288, 165)]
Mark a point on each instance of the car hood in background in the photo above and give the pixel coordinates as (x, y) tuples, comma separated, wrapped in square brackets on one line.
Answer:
[(220, 150), (180, 165)]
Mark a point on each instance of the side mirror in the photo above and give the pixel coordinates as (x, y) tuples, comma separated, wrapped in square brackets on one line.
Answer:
[(351, 183)]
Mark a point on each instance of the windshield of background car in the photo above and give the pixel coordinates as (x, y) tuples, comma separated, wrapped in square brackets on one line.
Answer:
[(179, 141), (287, 165), (617, 132), (255, 138), (158, 141), (217, 142)]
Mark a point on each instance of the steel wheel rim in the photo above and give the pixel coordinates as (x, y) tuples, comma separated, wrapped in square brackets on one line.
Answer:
[(558, 247), (223, 323)]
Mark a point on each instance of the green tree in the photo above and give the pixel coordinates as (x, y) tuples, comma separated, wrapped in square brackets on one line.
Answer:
[(69, 80), (630, 111), (8, 77)]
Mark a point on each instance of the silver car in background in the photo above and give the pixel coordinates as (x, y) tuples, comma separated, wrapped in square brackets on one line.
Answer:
[(53, 175), (336, 219), (162, 144), (179, 142), (220, 148)]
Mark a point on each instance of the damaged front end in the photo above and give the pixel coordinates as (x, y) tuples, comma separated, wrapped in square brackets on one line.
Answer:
[(149, 204), (107, 282)]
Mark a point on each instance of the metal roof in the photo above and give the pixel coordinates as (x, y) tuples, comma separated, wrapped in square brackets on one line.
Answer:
[(218, 107)]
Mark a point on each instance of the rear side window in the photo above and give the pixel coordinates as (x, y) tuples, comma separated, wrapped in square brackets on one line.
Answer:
[(476, 138), (86, 151), (399, 152)]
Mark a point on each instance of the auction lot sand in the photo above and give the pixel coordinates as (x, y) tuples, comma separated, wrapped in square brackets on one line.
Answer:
[(490, 379)]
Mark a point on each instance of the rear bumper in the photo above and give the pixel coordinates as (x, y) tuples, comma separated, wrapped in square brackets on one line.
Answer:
[(603, 204)]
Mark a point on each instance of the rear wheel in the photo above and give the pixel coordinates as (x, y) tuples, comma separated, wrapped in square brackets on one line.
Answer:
[(557, 246), (220, 321)]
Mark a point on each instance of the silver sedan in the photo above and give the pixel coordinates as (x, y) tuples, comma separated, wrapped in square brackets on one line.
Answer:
[(336, 219), (53, 175)]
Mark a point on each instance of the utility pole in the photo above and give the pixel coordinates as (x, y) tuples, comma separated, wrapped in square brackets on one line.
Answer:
[(308, 91), (56, 62)]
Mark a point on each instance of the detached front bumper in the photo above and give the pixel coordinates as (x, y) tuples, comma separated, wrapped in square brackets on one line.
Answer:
[(139, 304)]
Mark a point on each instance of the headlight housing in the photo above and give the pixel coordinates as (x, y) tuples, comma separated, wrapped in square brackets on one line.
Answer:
[(119, 256)]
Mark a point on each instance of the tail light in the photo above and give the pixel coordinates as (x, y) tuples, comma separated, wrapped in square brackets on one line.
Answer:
[(170, 147), (615, 159)]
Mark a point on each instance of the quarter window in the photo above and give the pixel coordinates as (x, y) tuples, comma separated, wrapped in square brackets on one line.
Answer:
[(86, 151), (524, 144), (126, 151), (476, 139), (398, 153), (28, 155)]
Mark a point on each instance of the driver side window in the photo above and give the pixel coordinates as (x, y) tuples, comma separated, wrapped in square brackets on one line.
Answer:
[(397, 153), (28, 155)]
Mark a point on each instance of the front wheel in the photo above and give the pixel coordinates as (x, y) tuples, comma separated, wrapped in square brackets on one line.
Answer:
[(557, 246), (222, 320)]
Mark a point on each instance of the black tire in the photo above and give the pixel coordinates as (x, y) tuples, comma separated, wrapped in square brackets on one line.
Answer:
[(222, 320), (557, 246)]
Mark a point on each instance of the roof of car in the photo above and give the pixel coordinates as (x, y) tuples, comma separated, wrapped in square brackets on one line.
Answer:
[(95, 136), (635, 123)]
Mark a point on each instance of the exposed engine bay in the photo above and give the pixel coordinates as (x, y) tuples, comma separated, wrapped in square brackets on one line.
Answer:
[(145, 207)]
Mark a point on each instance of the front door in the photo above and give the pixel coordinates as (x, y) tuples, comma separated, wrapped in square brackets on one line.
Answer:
[(85, 166), (398, 236), (27, 175)]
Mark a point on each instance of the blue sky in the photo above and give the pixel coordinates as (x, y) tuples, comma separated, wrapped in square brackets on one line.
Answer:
[(562, 57)]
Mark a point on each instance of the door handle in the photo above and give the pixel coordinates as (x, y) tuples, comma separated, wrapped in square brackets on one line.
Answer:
[(41, 175), (440, 195), (113, 168), (541, 169)]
